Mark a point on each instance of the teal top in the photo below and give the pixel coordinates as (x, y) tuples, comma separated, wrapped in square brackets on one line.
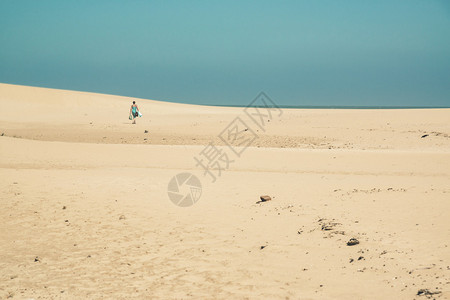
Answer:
[(133, 109)]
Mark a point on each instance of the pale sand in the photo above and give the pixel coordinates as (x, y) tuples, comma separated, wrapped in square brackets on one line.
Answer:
[(367, 170)]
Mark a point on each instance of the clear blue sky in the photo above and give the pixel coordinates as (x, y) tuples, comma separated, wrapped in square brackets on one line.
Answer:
[(354, 52)]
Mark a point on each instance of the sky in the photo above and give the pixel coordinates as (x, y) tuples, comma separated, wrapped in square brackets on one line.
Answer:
[(301, 53)]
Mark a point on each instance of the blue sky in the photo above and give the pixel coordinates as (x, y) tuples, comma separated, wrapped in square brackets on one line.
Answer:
[(353, 52)]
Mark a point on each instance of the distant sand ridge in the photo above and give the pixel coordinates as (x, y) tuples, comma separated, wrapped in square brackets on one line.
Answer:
[(86, 214)]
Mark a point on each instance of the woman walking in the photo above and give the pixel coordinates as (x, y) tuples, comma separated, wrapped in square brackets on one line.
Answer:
[(134, 112)]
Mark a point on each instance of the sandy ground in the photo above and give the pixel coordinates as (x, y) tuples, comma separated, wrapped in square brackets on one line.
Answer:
[(86, 211)]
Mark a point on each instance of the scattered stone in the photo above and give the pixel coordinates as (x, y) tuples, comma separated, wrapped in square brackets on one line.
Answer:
[(361, 257), (37, 259), (64, 207), (327, 227), (145, 131), (424, 136), (122, 217), (67, 221), (351, 260), (427, 293), (262, 247), (352, 242), (3, 134), (265, 198)]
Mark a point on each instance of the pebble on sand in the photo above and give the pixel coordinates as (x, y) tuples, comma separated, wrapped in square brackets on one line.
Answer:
[(352, 242), (265, 198), (427, 293)]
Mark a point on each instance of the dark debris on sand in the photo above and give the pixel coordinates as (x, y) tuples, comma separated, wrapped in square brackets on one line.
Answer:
[(427, 293), (352, 242), (264, 198)]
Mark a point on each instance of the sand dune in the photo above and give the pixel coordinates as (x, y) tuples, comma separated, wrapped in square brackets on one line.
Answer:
[(86, 213)]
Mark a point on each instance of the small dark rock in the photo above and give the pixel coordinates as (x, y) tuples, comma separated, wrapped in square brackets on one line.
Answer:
[(64, 207), (361, 257), (262, 247), (145, 131), (327, 227), (424, 136), (122, 217), (3, 134), (352, 242), (351, 260), (37, 259), (265, 198), (427, 293)]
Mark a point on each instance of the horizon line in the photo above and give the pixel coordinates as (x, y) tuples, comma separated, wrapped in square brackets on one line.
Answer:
[(287, 106)]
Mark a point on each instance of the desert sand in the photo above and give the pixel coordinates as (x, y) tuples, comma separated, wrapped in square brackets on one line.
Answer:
[(86, 211)]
